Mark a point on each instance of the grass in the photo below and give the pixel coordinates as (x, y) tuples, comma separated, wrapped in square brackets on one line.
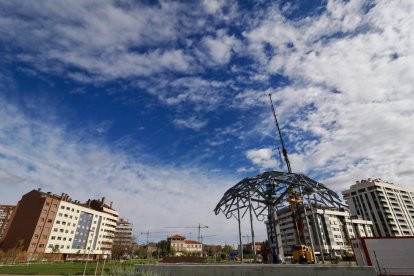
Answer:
[(69, 268)]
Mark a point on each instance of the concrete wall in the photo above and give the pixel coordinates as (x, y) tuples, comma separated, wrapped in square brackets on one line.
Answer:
[(255, 269)]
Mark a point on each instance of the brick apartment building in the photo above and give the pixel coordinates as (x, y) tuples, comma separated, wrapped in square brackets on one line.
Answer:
[(46, 223), (6, 212)]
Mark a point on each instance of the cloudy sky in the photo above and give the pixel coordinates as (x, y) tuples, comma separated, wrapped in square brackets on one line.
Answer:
[(161, 106)]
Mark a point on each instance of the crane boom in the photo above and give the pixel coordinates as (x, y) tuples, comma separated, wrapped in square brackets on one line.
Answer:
[(285, 155), (198, 227)]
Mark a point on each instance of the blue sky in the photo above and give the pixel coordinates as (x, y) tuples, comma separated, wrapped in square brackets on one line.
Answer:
[(162, 106)]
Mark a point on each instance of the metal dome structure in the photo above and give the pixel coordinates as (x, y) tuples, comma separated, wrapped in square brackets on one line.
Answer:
[(266, 193), (271, 189)]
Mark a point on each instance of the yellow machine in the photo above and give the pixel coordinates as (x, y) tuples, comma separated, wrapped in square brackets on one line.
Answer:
[(300, 253)]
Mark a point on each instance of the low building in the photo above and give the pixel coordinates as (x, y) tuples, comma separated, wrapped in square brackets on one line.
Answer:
[(6, 213), (45, 223), (181, 246), (332, 230)]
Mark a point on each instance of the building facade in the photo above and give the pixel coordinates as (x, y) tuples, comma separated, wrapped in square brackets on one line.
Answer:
[(331, 230), (389, 207), (182, 246), (123, 236), (6, 213), (45, 223)]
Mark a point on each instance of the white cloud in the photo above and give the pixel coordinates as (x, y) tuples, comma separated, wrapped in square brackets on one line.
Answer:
[(220, 47), (348, 109), (36, 154), (263, 158), (192, 123)]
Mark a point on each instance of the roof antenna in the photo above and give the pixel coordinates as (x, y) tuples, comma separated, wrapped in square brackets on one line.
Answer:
[(285, 155)]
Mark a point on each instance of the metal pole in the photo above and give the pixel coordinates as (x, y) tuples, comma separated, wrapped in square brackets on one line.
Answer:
[(252, 230), (87, 256), (240, 236), (316, 224), (96, 268), (307, 224), (103, 266), (318, 232)]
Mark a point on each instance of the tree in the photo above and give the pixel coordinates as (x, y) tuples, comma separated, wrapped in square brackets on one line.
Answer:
[(163, 248)]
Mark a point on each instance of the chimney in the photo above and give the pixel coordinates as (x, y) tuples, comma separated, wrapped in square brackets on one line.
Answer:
[(110, 204), (39, 189), (103, 200), (88, 203)]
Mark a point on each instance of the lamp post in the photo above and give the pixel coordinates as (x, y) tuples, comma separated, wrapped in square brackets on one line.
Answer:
[(89, 248)]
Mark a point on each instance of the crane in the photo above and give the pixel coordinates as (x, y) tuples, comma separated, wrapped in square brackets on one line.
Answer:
[(199, 229), (301, 252)]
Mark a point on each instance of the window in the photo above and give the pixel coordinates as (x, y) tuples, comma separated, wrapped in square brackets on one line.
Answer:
[(42, 219), (62, 246), (55, 229), (33, 245), (59, 238), (44, 237), (54, 205), (60, 215), (52, 212), (36, 236), (67, 208), (62, 207), (67, 231), (50, 220), (44, 211), (39, 228), (63, 222), (70, 239), (50, 246), (58, 222), (47, 229), (64, 239), (41, 245), (53, 237), (47, 203)]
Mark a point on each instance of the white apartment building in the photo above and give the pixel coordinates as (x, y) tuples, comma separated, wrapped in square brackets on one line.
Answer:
[(83, 229), (388, 206), (331, 234)]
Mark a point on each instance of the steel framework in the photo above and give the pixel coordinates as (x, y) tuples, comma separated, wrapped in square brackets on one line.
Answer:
[(271, 189)]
